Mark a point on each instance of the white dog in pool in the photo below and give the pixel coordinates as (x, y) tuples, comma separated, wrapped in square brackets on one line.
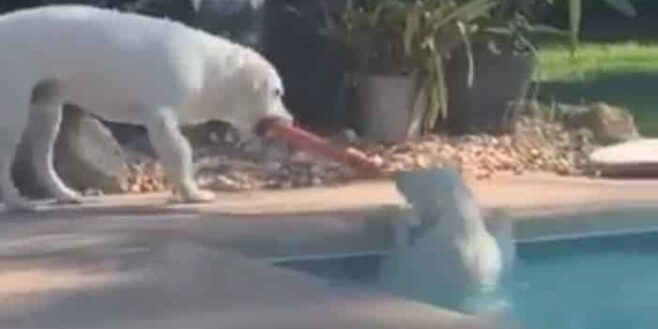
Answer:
[(453, 257), (124, 68)]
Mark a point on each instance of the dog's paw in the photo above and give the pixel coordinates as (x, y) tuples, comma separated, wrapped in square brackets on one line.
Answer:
[(196, 196), (200, 196), (69, 199), (66, 195)]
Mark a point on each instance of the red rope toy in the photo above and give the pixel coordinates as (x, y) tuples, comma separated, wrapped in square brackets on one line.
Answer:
[(317, 145)]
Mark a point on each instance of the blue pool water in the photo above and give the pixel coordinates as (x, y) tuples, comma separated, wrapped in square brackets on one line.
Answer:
[(587, 283)]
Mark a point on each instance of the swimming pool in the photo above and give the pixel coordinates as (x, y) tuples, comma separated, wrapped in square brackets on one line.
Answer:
[(598, 282)]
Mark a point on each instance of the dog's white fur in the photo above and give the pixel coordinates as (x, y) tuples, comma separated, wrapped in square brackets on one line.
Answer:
[(454, 257), (124, 68)]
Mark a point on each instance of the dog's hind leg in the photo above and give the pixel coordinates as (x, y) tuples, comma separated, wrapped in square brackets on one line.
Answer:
[(12, 123), (43, 127)]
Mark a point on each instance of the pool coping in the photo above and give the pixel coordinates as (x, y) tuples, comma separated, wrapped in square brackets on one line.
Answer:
[(332, 221), (587, 220)]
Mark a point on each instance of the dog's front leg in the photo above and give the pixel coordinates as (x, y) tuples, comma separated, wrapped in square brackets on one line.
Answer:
[(175, 154)]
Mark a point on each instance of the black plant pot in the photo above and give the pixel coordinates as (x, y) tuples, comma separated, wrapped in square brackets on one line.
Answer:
[(489, 104)]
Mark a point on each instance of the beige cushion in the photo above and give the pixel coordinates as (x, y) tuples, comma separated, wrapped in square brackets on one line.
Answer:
[(637, 158)]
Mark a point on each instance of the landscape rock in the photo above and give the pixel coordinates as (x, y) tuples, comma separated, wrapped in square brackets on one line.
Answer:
[(609, 124), (345, 137), (86, 154)]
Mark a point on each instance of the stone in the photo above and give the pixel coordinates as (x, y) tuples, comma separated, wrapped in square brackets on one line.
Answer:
[(133, 139), (609, 124), (345, 136), (86, 157), (225, 165), (638, 158)]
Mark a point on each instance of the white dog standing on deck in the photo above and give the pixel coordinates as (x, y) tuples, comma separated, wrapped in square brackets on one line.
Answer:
[(124, 68)]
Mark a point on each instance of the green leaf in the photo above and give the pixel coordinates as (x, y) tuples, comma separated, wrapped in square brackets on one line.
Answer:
[(418, 110), (442, 90), (469, 53), (467, 12), (436, 92), (411, 29), (433, 106), (548, 30), (377, 13)]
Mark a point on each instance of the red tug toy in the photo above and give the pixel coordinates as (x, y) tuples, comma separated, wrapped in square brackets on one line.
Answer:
[(317, 145)]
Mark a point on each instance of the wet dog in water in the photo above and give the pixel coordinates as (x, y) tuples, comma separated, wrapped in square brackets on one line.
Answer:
[(452, 256)]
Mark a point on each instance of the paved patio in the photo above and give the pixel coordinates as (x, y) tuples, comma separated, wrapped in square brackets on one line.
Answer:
[(136, 262)]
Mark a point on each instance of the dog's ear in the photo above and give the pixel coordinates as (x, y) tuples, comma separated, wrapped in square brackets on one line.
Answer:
[(248, 70), (251, 78), (256, 84)]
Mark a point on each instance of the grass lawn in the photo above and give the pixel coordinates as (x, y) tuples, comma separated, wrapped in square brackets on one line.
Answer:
[(623, 74)]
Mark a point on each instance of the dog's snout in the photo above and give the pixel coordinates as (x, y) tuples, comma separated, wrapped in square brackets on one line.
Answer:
[(265, 124)]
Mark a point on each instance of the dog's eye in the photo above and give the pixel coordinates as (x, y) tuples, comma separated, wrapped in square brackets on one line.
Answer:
[(278, 92)]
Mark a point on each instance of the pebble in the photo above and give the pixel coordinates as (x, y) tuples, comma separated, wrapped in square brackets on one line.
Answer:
[(537, 146)]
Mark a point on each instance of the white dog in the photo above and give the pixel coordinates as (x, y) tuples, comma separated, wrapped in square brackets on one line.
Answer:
[(124, 68), (453, 257)]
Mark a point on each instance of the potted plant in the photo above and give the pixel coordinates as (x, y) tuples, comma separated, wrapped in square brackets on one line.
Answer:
[(504, 64), (504, 60), (398, 48)]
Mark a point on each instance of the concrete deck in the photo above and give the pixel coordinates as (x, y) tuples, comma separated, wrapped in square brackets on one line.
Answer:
[(349, 219), (532, 191), (180, 285), (136, 262)]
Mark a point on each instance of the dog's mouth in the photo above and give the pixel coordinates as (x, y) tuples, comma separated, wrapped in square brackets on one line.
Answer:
[(262, 129)]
